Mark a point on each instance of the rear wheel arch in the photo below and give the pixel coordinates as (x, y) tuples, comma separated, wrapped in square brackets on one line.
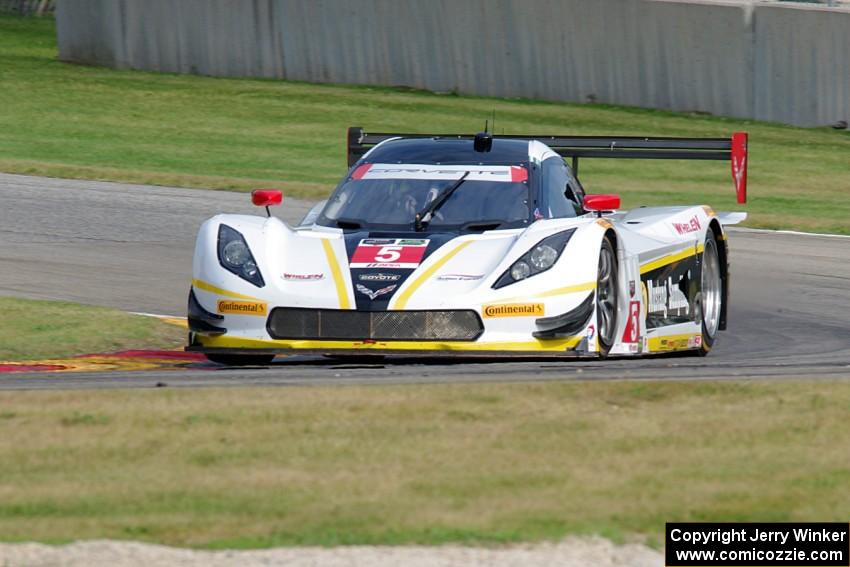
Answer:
[(723, 252), (611, 235), (711, 298)]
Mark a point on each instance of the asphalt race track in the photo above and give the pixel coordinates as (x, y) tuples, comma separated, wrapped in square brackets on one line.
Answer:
[(130, 247)]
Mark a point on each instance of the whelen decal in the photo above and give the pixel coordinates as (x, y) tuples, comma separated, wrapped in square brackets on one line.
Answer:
[(227, 306), (303, 277), (390, 253), (692, 225), (514, 310)]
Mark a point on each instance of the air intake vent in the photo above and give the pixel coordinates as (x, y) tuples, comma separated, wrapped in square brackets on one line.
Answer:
[(336, 324)]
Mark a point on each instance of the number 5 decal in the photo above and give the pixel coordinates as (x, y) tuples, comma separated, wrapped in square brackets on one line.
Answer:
[(393, 253), (632, 332), (389, 254)]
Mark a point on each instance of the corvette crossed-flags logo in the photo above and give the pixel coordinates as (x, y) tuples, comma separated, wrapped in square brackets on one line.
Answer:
[(373, 294)]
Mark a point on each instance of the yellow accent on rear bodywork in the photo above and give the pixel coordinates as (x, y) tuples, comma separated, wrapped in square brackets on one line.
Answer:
[(672, 258)]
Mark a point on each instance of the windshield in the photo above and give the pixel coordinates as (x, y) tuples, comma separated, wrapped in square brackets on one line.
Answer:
[(385, 203)]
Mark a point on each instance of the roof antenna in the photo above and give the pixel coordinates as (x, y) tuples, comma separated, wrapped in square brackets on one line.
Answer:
[(486, 128), (483, 141)]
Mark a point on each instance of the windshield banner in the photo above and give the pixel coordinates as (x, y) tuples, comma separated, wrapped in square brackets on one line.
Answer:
[(505, 173)]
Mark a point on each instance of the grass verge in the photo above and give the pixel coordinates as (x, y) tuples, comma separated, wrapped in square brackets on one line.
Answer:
[(419, 464), (33, 330), (85, 122)]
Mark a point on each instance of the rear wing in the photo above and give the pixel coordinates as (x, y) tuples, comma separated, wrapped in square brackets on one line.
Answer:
[(732, 149)]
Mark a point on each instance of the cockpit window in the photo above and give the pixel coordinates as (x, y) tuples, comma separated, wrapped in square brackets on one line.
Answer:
[(389, 197), (555, 202)]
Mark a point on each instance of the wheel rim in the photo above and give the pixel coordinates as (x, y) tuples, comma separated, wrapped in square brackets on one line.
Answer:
[(606, 296), (711, 288)]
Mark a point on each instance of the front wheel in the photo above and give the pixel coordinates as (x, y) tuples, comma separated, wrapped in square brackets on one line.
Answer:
[(710, 294), (240, 359), (606, 297)]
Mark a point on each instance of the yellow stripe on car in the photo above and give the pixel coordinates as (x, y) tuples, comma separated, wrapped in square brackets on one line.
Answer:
[(672, 258), (336, 273), (404, 297), (539, 345), (587, 286), (200, 284)]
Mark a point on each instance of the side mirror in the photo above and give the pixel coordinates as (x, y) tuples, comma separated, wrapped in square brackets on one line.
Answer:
[(267, 198), (600, 203)]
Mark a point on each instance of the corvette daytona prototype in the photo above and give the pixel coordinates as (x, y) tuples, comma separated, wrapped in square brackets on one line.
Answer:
[(456, 244)]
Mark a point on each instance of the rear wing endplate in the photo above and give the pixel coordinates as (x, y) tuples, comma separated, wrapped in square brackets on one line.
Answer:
[(732, 149)]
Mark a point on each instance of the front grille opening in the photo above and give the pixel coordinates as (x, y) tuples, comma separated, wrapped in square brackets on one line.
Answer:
[(338, 324)]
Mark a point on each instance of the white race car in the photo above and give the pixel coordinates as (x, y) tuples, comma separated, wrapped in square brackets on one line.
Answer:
[(437, 244)]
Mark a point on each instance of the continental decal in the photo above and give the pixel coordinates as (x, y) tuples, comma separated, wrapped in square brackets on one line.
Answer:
[(514, 310), (229, 307)]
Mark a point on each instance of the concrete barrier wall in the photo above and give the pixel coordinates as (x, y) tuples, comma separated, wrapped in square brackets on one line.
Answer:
[(719, 57), (802, 65)]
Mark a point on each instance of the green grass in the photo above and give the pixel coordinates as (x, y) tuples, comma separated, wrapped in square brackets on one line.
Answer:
[(419, 464), (75, 121), (34, 330)]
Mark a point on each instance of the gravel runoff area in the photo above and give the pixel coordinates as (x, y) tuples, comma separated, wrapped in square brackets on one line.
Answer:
[(572, 552)]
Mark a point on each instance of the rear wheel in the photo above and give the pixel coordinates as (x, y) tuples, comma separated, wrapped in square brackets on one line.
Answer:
[(711, 293), (606, 297), (240, 359)]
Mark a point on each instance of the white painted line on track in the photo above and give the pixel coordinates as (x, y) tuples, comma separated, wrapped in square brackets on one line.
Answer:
[(157, 315), (791, 232)]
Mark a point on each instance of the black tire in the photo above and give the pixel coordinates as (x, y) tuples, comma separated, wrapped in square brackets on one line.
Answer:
[(606, 297), (240, 359), (710, 303)]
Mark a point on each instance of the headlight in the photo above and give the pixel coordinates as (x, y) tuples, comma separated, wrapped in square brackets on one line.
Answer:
[(537, 260), (235, 253), (543, 256), (520, 271), (235, 256)]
